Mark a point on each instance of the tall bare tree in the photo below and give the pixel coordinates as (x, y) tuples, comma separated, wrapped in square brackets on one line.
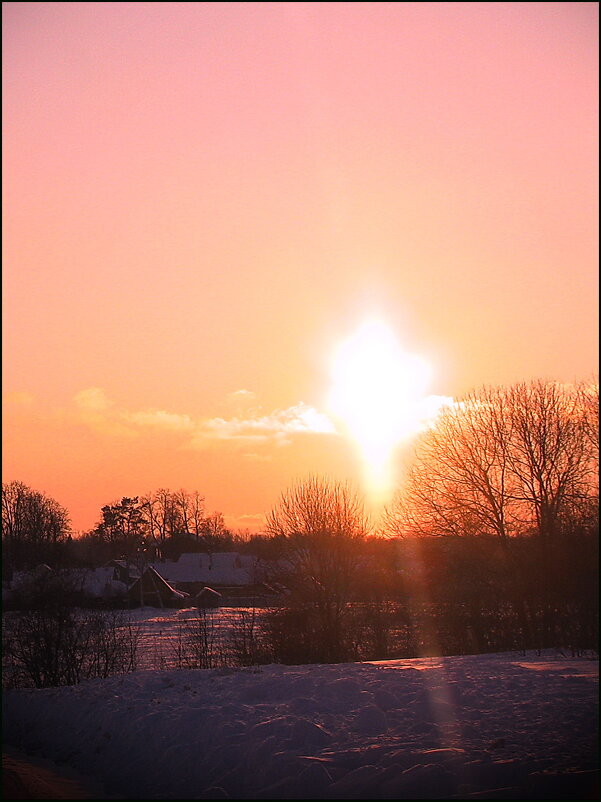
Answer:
[(319, 523), (550, 451), (170, 513), (191, 511), (503, 461), (32, 523), (507, 462), (459, 482), (588, 396)]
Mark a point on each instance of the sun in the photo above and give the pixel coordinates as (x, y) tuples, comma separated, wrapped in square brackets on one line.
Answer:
[(378, 392)]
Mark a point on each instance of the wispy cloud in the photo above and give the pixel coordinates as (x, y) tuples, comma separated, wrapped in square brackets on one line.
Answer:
[(92, 399), (247, 396), (252, 521), (242, 403), (95, 409), (160, 419), (279, 425), (431, 405), (18, 398)]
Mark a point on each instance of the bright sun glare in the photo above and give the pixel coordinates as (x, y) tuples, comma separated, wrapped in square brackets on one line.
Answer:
[(378, 391)]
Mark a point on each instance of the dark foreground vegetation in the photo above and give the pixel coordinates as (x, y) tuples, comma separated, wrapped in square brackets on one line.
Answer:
[(492, 545)]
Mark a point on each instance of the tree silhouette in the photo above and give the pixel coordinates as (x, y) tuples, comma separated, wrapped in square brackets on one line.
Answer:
[(319, 524), (33, 524)]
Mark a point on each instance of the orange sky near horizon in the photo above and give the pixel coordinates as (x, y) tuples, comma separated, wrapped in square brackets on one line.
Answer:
[(202, 200)]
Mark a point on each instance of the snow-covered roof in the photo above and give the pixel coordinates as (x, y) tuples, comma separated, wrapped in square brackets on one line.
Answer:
[(221, 568), (100, 584), (154, 582), (96, 583), (23, 579), (208, 592)]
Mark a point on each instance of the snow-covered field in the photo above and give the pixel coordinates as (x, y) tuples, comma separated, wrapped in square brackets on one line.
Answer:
[(160, 632), (486, 726), (163, 637)]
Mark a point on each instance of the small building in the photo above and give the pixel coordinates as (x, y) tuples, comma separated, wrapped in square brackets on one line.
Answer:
[(208, 598), (101, 584), (194, 571), (30, 580), (123, 571), (152, 590)]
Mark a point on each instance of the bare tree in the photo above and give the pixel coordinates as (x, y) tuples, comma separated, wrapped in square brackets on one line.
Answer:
[(32, 524), (213, 526), (503, 461), (319, 523), (191, 509), (197, 512), (549, 455), (170, 513), (459, 482), (508, 462), (167, 513), (588, 397)]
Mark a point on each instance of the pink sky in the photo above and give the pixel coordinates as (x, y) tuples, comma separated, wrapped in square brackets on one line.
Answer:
[(205, 198)]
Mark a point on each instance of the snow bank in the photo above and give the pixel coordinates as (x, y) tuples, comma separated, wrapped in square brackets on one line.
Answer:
[(424, 728)]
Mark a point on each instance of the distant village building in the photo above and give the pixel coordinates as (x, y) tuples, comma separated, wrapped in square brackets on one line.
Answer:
[(123, 571), (24, 585), (100, 584), (208, 598), (193, 571), (201, 579), (152, 590), (238, 578), (70, 585)]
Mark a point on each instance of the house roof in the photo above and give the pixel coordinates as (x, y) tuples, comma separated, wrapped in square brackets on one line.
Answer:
[(124, 564), (208, 592), (93, 582), (153, 582), (100, 583), (221, 568)]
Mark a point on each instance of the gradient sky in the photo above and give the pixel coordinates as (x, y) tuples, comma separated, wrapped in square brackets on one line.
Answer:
[(202, 200)]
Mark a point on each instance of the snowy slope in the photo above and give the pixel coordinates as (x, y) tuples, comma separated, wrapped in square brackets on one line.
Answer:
[(424, 728)]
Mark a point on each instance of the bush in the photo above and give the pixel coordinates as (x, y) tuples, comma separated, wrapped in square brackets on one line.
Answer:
[(199, 643), (58, 645), (248, 644)]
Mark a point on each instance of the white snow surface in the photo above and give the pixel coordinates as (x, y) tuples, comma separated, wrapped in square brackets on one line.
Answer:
[(486, 726)]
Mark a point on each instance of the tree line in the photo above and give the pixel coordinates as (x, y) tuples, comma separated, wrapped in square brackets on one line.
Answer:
[(506, 462), (491, 542), (163, 523), (497, 537)]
